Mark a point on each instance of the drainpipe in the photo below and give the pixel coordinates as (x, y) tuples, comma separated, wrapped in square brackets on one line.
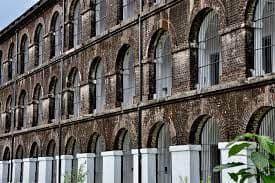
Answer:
[(140, 55)]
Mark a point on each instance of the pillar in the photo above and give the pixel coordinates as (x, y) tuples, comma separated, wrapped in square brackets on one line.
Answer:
[(112, 166), (45, 169), (4, 171), (29, 170), (86, 166), (135, 165), (149, 169), (189, 156), (66, 167), (16, 171), (241, 157)]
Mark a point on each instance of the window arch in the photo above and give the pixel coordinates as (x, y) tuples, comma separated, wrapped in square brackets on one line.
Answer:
[(7, 157), (71, 149), (51, 152), (37, 105), (206, 132), (22, 110), (54, 97), (11, 59), (125, 86), (19, 155), (8, 111), (123, 142), (97, 145), (38, 45), (99, 7), (209, 51), (264, 38), (56, 35), (24, 54), (34, 153), (74, 93), (76, 27), (97, 86)]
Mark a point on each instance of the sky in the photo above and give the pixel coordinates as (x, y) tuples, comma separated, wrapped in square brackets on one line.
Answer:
[(11, 9)]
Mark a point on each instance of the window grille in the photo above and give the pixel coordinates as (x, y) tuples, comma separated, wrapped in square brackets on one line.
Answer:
[(164, 172), (128, 9), (100, 88), (209, 51), (57, 36), (98, 164), (24, 59), (128, 72), (127, 160), (77, 23), (22, 117), (76, 94), (210, 155), (39, 45), (267, 125), (163, 61), (11, 59), (100, 16)]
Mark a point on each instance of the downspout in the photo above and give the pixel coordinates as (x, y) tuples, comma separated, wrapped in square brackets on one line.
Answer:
[(13, 125), (140, 55), (61, 95)]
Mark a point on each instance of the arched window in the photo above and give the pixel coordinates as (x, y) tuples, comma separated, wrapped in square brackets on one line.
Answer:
[(54, 108), (38, 45), (24, 55), (127, 9), (56, 35), (97, 145), (97, 86), (37, 105), (209, 51), (125, 76), (11, 59), (161, 72), (7, 157), (22, 110), (264, 38), (8, 111), (77, 24), (19, 155), (51, 152), (207, 134), (74, 94), (34, 153), (100, 16), (266, 125), (71, 149), (123, 142), (1, 67)]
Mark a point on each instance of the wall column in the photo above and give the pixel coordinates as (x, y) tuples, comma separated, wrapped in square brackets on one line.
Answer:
[(4, 171), (16, 170), (135, 165), (149, 168), (241, 157), (45, 169), (66, 166), (112, 166), (189, 156), (86, 166), (29, 170)]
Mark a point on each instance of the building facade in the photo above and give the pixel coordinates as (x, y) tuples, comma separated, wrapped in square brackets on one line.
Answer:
[(100, 83)]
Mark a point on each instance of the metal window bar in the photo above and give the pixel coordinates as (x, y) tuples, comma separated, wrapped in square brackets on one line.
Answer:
[(26, 57), (210, 155), (128, 9), (77, 23), (76, 96), (11, 59), (209, 52), (264, 38), (100, 16), (40, 48), (100, 88)]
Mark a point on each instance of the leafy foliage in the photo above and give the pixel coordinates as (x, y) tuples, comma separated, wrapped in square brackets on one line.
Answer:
[(75, 176), (263, 158)]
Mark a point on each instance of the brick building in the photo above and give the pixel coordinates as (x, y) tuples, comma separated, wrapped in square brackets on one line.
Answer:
[(93, 80)]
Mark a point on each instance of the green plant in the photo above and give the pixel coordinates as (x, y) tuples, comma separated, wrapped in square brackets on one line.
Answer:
[(263, 158), (75, 176)]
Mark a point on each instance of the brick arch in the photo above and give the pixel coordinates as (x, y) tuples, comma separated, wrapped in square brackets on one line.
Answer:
[(23, 92), (119, 139), (51, 149), (72, 6), (257, 116), (71, 75), (51, 83), (39, 23), (19, 152), (34, 150), (249, 11), (57, 9), (36, 90), (92, 67), (71, 146), (6, 153), (91, 147)]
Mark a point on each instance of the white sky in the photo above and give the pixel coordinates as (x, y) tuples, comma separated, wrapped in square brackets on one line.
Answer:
[(11, 9)]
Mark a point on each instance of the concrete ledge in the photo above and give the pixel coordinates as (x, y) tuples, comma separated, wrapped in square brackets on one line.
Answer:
[(30, 160), (45, 159), (223, 145), (149, 151), (4, 162), (85, 155), (134, 151), (181, 148), (112, 153), (17, 161), (64, 157)]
